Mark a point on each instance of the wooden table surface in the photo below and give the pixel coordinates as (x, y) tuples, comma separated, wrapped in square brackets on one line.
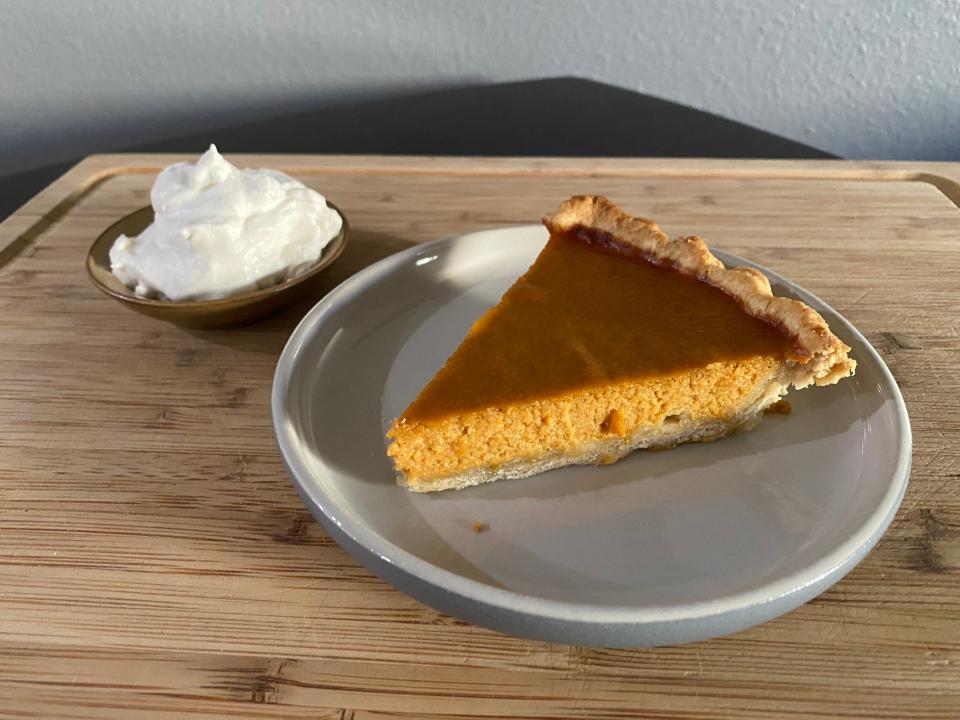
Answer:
[(155, 560)]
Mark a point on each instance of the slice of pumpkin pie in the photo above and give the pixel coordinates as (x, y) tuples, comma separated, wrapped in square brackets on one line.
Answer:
[(616, 338)]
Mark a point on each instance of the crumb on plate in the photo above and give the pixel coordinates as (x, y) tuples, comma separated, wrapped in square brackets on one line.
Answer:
[(780, 407)]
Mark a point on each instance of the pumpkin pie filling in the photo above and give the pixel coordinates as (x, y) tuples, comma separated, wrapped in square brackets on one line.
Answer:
[(598, 349)]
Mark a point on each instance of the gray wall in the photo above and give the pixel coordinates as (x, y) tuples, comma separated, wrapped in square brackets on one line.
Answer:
[(861, 78)]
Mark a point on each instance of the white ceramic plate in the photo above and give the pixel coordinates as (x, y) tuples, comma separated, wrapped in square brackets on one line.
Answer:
[(659, 548)]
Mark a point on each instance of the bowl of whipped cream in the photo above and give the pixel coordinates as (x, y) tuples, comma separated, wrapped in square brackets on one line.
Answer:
[(218, 245)]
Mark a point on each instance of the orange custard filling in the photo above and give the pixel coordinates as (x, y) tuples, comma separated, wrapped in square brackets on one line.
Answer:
[(557, 331)]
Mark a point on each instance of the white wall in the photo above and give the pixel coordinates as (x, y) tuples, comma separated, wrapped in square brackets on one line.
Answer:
[(861, 78)]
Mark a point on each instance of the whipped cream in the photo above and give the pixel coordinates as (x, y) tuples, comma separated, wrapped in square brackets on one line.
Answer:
[(219, 230)]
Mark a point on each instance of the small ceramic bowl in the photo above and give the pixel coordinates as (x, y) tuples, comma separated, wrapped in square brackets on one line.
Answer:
[(232, 310)]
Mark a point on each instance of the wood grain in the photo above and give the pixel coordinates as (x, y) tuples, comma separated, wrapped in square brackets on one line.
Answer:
[(155, 560)]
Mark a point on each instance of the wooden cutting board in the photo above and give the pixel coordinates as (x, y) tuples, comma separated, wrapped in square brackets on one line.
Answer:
[(156, 560)]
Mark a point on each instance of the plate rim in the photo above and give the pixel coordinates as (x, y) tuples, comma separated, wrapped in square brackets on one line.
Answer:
[(831, 566)]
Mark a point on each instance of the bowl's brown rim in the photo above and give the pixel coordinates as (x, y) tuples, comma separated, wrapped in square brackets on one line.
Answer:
[(335, 247)]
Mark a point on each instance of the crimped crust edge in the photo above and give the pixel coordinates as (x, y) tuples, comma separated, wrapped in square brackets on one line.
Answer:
[(822, 357)]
